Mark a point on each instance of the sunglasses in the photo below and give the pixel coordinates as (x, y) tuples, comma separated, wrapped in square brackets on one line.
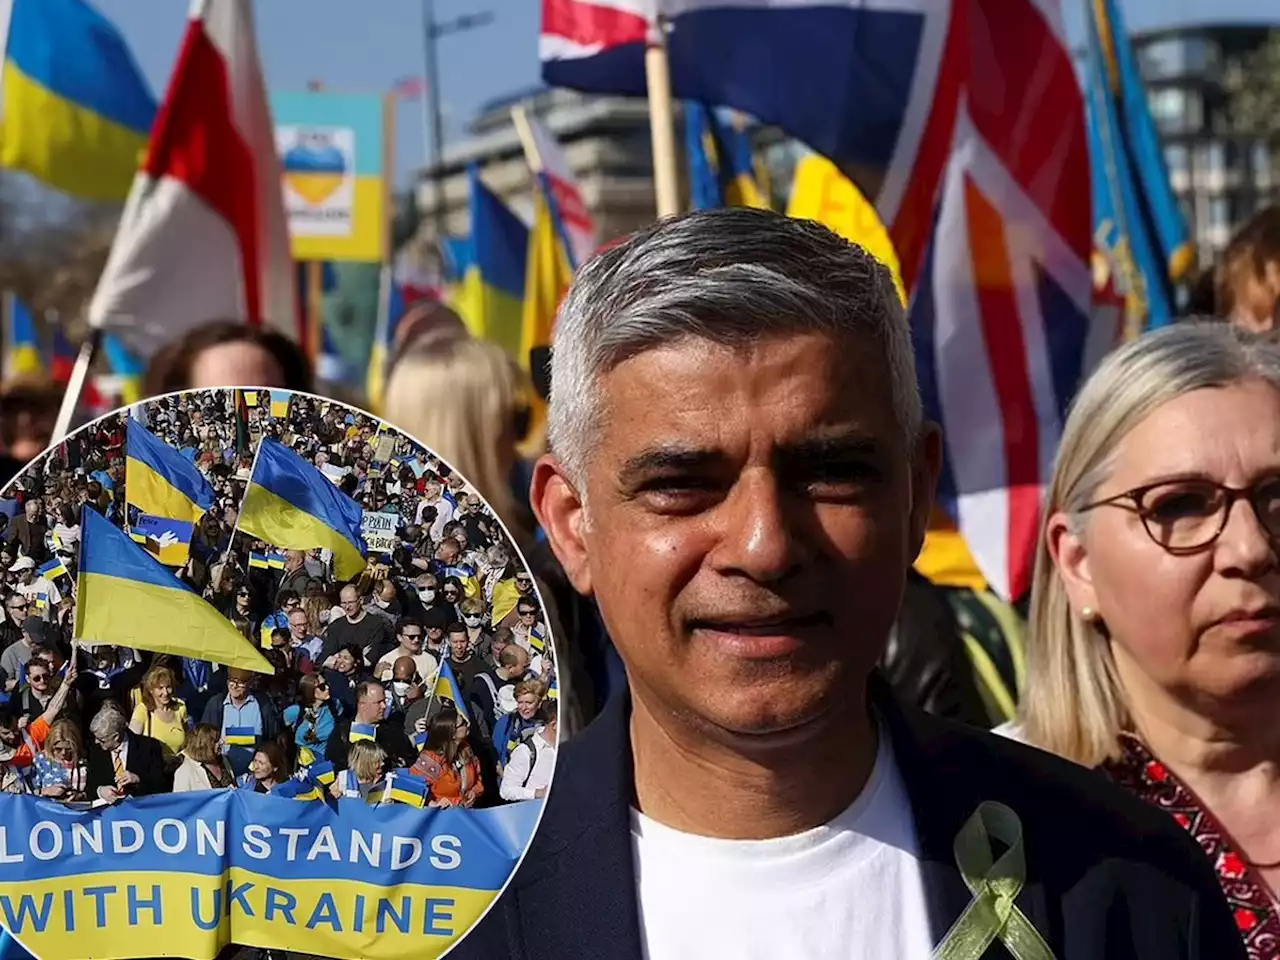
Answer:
[(322, 686), (37, 677)]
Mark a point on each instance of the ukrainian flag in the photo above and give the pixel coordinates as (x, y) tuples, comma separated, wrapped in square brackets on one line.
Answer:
[(420, 741), (240, 736), (54, 569), (258, 560), (160, 481), (721, 170), (298, 790), (293, 505), (76, 112), (489, 297), (1138, 227), (126, 597), (125, 365), (22, 356), (405, 788), (447, 689), (505, 598), (362, 731), (322, 773), (280, 404)]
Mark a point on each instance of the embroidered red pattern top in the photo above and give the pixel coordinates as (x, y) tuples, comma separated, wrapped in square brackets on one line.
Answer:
[(1257, 912)]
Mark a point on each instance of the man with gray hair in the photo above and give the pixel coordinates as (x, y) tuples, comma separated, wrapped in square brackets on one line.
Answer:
[(740, 476), (122, 763)]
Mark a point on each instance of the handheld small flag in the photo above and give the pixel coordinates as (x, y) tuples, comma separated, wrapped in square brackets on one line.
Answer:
[(447, 689), (127, 598), (553, 691), (298, 790), (258, 561), (420, 741), (322, 773), (538, 639), (240, 737), (292, 505), (275, 560), (54, 569), (403, 787), (306, 757), (362, 731)]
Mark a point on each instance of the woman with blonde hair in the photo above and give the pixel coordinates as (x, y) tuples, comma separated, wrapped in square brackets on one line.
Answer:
[(60, 770), (160, 714), (467, 401), (366, 768), (1154, 635)]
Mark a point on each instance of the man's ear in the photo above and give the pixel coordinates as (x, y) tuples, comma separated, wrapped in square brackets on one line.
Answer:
[(926, 464), (1071, 557), (560, 512)]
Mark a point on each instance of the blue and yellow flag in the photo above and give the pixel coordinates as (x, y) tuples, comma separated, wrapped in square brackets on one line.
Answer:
[(22, 354), (160, 481), (54, 569), (1138, 228), (447, 689), (322, 773), (293, 505), (547, 274), (77, 113), (127, 366), (362, 732), (280, 403), (126, 597), (295, 789), (404, 787), (489, 297), (240, 736), (721, 169)]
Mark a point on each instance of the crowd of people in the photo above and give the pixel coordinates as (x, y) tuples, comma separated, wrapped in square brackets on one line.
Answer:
[(356, 688)]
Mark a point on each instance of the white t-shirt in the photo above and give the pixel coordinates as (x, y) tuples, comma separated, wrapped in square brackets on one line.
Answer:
[(848, 890)]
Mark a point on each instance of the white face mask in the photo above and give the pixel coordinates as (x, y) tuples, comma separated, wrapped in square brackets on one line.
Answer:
[(426, 595), (400, 687), (471, 621)]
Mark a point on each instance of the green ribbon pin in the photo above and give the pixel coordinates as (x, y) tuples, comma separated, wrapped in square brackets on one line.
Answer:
[(993, 913)]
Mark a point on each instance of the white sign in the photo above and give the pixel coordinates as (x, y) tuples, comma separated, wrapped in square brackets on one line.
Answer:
[(319, 179), (379, 531)]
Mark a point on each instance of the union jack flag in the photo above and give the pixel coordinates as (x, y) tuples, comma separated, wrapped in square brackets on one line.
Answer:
[(963, 120)]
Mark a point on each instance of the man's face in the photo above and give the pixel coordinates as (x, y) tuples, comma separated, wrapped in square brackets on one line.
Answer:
[(350, 601), (18, 606), (298, 625), (411, 638), (34, 508), (524, 584), (752, 518), (372, 706), (459, 645)]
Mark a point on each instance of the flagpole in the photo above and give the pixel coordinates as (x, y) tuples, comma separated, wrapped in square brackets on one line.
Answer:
[(661, 119), (75, 386)]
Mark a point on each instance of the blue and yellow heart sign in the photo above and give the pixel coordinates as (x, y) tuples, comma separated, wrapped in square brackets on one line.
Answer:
[(314, 168)]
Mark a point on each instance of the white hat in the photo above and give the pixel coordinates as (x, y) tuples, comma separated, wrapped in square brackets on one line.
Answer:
[(22, 563)]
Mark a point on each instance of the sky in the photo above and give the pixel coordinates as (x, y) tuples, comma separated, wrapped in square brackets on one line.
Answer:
[(364, 46)]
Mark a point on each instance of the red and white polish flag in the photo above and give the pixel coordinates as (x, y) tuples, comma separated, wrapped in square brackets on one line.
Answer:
[(204, 235)]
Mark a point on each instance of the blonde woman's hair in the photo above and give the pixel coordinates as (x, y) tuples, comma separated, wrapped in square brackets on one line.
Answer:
[(64, 731), (459, 396), (363, 758), (1074, 704)]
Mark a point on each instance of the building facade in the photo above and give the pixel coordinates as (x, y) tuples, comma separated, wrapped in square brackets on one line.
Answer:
[(1220, 172)]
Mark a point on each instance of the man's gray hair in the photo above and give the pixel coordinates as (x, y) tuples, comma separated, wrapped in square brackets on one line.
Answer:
[(732, 276), (108, 722)]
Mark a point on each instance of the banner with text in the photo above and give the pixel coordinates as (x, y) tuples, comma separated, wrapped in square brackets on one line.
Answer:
[(379, 531), (190, 873)]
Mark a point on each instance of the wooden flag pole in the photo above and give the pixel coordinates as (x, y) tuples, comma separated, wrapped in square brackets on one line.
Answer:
[(661, 120)]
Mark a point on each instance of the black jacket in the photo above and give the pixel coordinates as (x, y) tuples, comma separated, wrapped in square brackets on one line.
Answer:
[(1108, 877), (388, 734), (145, 758)]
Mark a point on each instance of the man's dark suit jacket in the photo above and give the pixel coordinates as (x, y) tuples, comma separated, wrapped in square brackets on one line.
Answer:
[(145, 758), (1108, 877)]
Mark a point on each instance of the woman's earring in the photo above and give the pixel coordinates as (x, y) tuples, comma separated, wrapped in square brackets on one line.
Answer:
[(1089, 615)]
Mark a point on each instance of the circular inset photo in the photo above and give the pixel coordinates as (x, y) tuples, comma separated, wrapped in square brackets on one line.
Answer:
[(272, 677)]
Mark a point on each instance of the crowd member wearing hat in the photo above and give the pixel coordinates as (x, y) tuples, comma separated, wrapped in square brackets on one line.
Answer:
[(36, 588)]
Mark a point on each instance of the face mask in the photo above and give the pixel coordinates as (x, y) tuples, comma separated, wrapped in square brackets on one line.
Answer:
[(400, 687), (425, 595), (382, 603), (471, 621)]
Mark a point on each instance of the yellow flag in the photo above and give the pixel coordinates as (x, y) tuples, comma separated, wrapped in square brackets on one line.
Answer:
[(547, 276), (821, 192)]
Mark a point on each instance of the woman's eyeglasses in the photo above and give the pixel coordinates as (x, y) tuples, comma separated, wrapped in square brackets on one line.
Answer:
[(1187, 516)]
